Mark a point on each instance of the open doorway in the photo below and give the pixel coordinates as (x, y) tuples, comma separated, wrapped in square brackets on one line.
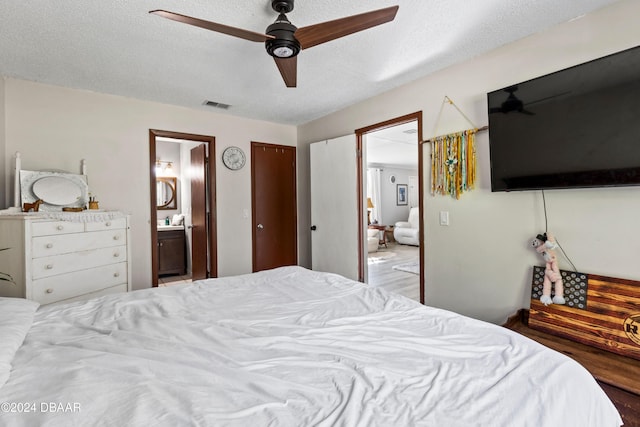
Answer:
[(391, 187), (183, 226), (392, 236)]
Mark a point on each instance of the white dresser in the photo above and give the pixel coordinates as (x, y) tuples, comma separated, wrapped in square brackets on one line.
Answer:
[(52, 260)]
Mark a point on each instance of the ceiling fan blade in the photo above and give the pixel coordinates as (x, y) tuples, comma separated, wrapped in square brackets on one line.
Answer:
[(207, 25), (326, 31), (288, 70)]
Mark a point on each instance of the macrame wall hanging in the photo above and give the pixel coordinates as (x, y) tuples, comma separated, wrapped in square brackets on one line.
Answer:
[(453, 159)]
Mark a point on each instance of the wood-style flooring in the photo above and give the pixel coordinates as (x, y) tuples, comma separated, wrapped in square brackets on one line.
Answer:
[(173, 280), (381, 273)]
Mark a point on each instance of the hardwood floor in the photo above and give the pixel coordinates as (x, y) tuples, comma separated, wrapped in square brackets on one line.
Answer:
[(382, 274), (173, 280)]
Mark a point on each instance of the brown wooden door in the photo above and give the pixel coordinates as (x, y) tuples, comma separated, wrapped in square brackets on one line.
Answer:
[(198, 213), (273, 192)]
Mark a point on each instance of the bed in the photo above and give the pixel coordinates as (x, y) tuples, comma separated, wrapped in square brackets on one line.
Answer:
[(283, 347)]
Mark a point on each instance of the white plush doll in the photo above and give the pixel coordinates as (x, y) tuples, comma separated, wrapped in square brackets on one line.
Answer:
[(545, 245)]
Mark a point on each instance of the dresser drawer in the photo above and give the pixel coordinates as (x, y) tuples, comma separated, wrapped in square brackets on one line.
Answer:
[(106, 225), (66, 263), (106, 291), (64, 286), (67, 243), (48, 228)]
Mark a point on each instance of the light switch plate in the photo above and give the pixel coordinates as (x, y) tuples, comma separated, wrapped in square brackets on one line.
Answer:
[(444, 218)]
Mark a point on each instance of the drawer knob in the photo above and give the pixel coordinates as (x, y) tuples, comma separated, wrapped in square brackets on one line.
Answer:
[(116, 254), (49, 291), (116, 274), (116, 237), (60, 227), (49, 267), (49, 245), (107, 224)]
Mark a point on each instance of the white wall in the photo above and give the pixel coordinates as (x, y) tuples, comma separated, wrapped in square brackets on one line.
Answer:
[(55, 127), (481, 264), (391, 212), (6, 197)]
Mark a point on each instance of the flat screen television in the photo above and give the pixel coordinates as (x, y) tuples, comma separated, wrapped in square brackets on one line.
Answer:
[(578, 127)]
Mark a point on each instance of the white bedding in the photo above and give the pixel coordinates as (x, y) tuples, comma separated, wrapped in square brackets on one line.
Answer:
[(288, 347), (16, 316)]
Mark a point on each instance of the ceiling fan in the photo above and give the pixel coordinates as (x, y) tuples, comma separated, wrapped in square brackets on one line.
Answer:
[(515, 104), (283, 40), (511, 104)]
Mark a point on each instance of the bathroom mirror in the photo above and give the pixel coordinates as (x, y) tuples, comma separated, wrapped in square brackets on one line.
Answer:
[(166, 195)]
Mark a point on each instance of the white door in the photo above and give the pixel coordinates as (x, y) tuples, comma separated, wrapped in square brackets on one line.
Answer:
[(413, 191), (334, 206)]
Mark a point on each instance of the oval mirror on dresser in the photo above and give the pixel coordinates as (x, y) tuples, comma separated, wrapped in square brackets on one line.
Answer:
[(57, 190)]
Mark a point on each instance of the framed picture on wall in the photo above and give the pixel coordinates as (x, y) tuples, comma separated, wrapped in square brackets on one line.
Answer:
[(402, 194)]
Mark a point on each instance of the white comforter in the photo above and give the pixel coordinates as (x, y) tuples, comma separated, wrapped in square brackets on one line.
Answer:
[(287, 347)]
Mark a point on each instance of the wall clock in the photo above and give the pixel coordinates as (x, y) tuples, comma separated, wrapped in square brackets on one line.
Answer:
[(233, 158)]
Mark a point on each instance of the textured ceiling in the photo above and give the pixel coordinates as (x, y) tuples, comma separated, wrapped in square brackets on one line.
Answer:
[(394, 146), (117, 47)]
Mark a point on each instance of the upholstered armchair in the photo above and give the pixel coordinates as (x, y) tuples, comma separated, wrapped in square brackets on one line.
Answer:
[(407, 232)]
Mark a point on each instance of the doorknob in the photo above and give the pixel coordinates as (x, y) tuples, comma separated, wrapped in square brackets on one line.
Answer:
[(260, 226), (314, 228)]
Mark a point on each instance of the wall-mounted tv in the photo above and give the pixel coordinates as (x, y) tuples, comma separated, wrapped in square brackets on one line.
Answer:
[(578, 127)]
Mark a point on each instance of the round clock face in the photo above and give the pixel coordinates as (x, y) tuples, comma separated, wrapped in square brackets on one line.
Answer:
[(233, 158)]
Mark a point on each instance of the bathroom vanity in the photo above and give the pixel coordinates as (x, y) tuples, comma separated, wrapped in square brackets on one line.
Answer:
[(171, 250)]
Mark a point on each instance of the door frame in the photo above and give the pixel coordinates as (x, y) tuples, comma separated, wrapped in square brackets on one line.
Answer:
[(253, 195), (210, 142), (360, 133)]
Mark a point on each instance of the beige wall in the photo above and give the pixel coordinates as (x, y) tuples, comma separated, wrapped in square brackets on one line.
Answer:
[(55, 127), (481, 264), (4, 185)]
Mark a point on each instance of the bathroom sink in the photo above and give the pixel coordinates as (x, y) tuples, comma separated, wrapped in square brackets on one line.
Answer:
[(170, 227)]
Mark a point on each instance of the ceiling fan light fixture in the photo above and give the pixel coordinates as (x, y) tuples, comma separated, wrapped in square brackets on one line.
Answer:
[(283, 49), (284, 44)]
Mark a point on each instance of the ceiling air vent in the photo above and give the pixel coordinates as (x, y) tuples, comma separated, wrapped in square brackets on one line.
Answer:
[(217, 105)]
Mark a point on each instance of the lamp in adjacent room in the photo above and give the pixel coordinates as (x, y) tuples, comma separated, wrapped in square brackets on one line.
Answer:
[(369, 207)]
